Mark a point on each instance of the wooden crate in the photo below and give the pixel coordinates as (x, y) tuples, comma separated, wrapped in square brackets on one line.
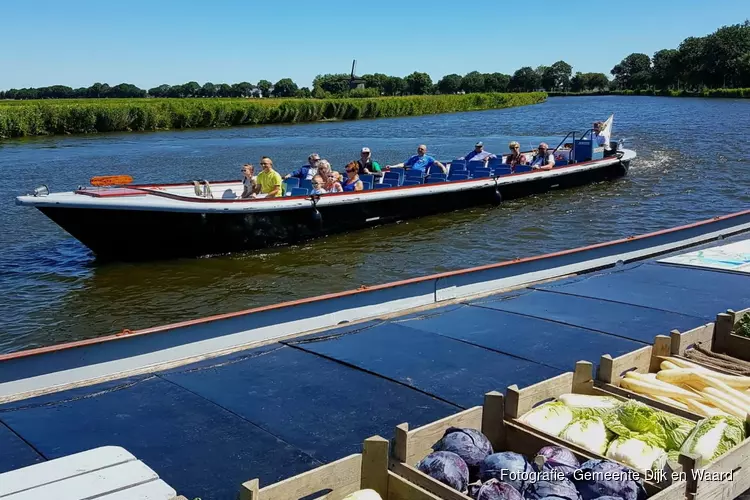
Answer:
[(647, 360), (727, 477), (644, 360), (520, 401), (706, 336), (410, 446), (725, 342), (334, 481)]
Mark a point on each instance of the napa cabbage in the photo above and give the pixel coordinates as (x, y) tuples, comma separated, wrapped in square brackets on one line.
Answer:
[(637, 453), (676, 429), (551, 417), (584, 405), (589, 433), (637, 420), (714, 436)]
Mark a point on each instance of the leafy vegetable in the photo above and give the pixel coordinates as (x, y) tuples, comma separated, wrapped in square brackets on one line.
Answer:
[(469, 444), (446, 467), (497, 490), (714, 436), (742, 327), (560, 489), (676, 428), (588, 432), (584, 405), (551, 417), (508, 467), (632, 416), (602, 478), (635, 419), (557, 458), (637, 453)]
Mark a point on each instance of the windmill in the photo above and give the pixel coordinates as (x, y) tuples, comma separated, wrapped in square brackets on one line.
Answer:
[(355, 82)]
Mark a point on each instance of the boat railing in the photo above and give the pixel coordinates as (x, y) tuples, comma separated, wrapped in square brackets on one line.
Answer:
[(572, 153)]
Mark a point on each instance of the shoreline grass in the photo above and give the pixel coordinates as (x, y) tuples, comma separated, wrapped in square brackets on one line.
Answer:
[(87, 116), (712, 93)]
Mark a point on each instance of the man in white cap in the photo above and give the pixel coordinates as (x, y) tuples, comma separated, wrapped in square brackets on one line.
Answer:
[(479, 154), (307, 172), (367, 165), (544, 159)]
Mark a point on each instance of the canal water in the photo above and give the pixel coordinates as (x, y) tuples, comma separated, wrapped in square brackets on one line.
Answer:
[(692, 164)]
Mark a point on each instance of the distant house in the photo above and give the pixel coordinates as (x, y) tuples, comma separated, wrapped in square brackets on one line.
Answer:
[(256, 93)]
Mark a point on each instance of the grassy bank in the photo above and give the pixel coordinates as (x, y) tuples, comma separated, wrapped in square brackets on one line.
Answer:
[(726, 93), (83, 116)]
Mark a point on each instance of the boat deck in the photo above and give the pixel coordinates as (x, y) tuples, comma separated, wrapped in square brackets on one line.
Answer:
[(278, 410)]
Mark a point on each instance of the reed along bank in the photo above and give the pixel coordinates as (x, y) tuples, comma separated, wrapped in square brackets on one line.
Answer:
[(86, 116)]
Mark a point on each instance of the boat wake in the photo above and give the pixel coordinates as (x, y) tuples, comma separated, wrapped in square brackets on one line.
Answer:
[(657, 160)]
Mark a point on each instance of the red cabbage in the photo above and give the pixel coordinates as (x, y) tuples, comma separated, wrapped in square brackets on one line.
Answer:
[(507, 467), (469, 444), (603, 478), (557, 458), (497, 490), (562, 489), (446, 467)]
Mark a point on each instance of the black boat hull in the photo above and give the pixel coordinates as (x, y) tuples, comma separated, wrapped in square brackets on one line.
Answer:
[(128, 235)]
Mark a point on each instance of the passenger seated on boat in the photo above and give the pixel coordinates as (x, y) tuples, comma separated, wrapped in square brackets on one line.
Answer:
[(330, 178), (599, 139), (352, 182), (307, 172), (367, 165), (515, 157), (421, 161), (249, 181), (544, 159), (602, 140), (333, 183), (478, 154), (324, 169), (318, 185), (268, 181)]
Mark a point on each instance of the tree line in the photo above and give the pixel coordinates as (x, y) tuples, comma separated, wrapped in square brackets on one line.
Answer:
[(527, 79), (718, 60)]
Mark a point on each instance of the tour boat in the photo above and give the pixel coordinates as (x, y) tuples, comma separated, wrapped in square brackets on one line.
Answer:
[(125, 221)]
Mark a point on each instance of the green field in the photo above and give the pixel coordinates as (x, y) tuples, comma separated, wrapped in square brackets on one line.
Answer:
[(85, 116)]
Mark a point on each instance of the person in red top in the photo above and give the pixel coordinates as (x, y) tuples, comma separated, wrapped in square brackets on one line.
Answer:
[(515, 157)]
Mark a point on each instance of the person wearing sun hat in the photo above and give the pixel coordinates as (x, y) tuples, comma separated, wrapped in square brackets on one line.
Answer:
[(478, 154), (367, 165)]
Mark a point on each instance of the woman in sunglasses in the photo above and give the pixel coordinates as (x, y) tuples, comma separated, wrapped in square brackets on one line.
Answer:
[(352, 182), (515, 157)]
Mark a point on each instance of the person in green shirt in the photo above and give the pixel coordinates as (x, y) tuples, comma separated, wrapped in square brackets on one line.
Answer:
[(268, 181), (367, 166)]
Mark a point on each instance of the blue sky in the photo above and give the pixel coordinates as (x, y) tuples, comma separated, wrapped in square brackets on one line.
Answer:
[(148, 43)]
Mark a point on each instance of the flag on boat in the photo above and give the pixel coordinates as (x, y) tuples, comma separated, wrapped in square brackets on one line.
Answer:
[(606, 131)]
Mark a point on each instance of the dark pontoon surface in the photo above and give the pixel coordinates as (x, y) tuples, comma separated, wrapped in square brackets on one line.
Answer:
[(278, 410)]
